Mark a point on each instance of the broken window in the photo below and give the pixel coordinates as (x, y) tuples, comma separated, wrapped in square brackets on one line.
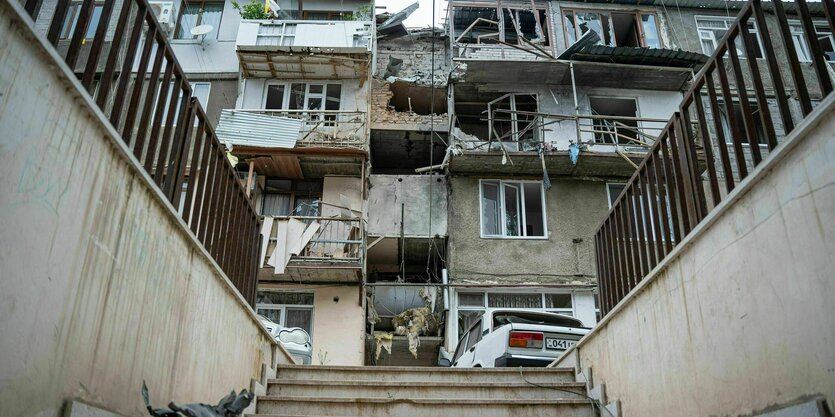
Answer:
[(620, 129), (287, 309), (512, 209), (487, 25), (824, 39), (739, 120), (524, 22), (713, 28), (514, 118), (470, 309), (281, 195), (634, 29)]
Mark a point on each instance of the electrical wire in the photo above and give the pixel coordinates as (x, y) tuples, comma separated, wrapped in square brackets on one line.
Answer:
[(594, 402)]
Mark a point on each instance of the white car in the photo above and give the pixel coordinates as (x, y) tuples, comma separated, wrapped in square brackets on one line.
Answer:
[(508, 337), (295, 339)]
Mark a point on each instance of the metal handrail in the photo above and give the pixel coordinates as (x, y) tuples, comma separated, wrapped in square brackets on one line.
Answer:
[(675, 187), (143, 105)]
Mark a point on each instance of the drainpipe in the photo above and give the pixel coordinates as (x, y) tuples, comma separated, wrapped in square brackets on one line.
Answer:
[(445, 281), (576, 103)]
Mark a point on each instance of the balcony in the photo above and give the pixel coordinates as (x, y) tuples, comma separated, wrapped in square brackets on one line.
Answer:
[(315, 249), (608, 145), (332, 129), (303, 49)]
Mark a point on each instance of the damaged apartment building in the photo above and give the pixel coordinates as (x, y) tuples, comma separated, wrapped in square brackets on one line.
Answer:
[(408, 179)]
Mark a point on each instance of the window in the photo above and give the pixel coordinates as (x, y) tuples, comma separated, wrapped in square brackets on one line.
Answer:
[(280, 195), (825, 40), (739, 120), (277, 34), (508, 123), (287, 309), (303, 96), (471, 305), (199, 90), (198, 12), (470, 309), (634, 29), (614, 191), (597, 306), (512, 209), (488, 24), (71, 21), (620, 129), (475, 334), (712, 29)]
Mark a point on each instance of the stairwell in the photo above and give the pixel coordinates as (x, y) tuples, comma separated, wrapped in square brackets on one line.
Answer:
[(331, 391)]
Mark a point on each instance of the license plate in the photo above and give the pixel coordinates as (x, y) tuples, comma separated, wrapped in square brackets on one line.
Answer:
[(559, 343)]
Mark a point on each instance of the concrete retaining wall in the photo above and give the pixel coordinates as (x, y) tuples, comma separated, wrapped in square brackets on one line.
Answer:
[(101, 285), (739, 318)]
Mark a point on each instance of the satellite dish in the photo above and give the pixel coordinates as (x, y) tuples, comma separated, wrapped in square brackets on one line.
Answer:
[(201, 30)]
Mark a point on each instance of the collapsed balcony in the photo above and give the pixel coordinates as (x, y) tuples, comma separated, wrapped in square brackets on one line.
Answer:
[(269, 128)]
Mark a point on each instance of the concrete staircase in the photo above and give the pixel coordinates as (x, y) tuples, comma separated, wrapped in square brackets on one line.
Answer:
[(335, 391)]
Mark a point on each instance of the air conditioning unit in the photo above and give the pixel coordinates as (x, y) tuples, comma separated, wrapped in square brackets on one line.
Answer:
[(164, 10)]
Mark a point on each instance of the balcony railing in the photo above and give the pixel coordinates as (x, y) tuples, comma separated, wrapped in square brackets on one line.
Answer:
[(336, 240), (340, 36), (319, 128), (516, 130), (216, 207), (674, 189)]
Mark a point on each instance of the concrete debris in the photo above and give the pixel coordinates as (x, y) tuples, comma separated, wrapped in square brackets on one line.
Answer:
[(383, 340), (373, 317), (399, 17)]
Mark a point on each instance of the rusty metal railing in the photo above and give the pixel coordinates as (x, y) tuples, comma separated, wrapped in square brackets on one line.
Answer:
[(675, 188), (141, 81)]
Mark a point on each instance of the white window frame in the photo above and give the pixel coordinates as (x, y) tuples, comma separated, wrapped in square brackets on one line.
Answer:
[(180, 98), (728, 21), (307, 94), (804, 53), (502, 212), (572, 312), (605, 97), (281, 36), (283, 308)]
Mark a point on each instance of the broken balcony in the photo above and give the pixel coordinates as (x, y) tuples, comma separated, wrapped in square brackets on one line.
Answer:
[(304, 49), (611, 141), (313, 249), (268, 128)]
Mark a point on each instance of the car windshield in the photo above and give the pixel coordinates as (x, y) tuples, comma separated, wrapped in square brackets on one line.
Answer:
[(500, 318)]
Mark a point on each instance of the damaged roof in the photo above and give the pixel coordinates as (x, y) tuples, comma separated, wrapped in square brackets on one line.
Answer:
[(640, 56)]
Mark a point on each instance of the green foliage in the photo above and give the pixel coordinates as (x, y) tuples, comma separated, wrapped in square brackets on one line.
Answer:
[(362, 13), (253, 10)]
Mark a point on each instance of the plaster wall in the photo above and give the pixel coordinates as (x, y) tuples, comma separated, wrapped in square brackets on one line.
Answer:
[(573, 210), (417, 193), (338, 326), (738, 318), (103, 286)]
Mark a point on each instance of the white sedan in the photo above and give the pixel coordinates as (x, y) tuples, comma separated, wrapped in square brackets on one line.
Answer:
[(295, 339), (508, 337)]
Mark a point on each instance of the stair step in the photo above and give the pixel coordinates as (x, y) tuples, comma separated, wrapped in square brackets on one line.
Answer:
[(422, 407), (408, 374), (444, 389)]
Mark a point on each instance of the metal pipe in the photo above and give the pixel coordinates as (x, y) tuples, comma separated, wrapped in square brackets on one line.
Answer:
[(445, 280)]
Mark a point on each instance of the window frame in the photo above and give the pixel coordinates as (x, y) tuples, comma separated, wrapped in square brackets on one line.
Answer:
[(285, 103), (727, 131), (283, 307), (636, 14), (198, 21), (741, 53), (609, 195), (500, 28), (800, 43), (640, 124), (293, 192), (521, 207), (71, 21)]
